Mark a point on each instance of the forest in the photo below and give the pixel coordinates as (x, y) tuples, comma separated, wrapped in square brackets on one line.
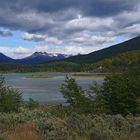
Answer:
[(118, 63)]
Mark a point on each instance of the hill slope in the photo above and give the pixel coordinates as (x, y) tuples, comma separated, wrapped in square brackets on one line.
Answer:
[(5, 59), (119, 63), (130, 45)]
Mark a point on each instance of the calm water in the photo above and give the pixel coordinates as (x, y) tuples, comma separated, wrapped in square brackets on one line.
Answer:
[(44, 90)]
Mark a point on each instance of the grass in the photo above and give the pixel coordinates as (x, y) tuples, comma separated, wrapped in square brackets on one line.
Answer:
[(53, 122), (41, 76), (90, 75), (22, 132)]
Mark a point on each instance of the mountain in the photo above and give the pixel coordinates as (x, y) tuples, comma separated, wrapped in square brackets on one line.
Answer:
[(130, 45), (6, 59), (118, 63), (41, 57)]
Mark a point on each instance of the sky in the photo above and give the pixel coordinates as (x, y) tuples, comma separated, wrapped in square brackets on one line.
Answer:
[(65, 26)]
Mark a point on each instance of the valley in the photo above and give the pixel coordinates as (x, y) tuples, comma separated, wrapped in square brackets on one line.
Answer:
[(116, 58), (69, 70)]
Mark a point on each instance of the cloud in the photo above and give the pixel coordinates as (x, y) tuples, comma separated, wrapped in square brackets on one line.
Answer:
[(72, 49), (70, 26), (41, 38), (131, 31), (41, 15), (5, 33), (16, 52), (87, 23), (34, 37)]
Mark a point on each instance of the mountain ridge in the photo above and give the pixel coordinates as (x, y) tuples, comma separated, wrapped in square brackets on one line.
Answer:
[(44, 57), (5, 59), (41, 57), (129, 45), (35, 58)]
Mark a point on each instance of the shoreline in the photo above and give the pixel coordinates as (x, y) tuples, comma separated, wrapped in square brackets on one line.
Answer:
[(47, 75)]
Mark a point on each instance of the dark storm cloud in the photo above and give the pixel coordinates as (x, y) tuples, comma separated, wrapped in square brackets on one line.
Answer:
[(95, 8), (105, 8), (92, 7)]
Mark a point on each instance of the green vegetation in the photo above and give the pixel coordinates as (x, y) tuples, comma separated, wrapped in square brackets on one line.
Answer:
[(119, 63), (4, 138), (72, 126), (103, 112), (72, 92), (49, 67), (75, 96), (32, 104), (119, 94), (10, 98), (117, 58)]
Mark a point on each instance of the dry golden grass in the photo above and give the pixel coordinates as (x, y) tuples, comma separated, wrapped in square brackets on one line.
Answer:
[(41, 77), (23, 132), (130, 137)]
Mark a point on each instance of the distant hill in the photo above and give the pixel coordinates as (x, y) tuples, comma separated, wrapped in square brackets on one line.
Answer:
[(35, 58), (116, 58), (130, 45), (119, 63), (6, 59), (41, 57)]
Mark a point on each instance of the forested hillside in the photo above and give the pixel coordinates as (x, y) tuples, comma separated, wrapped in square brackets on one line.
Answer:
[(117, 63), (49, 67), (121, 62)]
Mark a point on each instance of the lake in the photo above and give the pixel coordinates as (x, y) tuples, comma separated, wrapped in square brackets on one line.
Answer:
[(44, 90)]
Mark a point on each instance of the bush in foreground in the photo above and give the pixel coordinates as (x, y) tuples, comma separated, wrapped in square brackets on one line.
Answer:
[(74, 126), (119, 94), (10, 98)]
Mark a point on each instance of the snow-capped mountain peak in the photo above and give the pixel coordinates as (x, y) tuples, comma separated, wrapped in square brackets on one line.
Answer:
[(35, 58), (42, 57)]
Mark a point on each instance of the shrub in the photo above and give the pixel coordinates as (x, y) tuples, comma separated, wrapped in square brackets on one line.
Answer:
[(119, 94), (72, 91), (10, 98), (73, 126), (4, 138), (10, 120), (76, 96), (32, 104), (79, 125), (53, 129)]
